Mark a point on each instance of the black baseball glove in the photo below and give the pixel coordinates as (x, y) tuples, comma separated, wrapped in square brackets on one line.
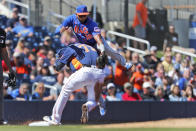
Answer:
[(102, 60), (11, 80)]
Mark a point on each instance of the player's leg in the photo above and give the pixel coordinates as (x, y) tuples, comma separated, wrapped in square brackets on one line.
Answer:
[(116, 56), (99, 99), (90, 104), (74, 82), (95, 76), (1, 95)]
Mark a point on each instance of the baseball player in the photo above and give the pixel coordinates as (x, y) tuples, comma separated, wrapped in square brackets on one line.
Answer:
[(88, 32), (12, 78), (82, 60)]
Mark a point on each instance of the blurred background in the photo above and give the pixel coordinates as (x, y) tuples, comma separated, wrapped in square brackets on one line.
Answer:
[(162, 49)]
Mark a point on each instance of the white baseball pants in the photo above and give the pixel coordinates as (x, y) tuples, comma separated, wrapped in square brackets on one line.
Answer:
[(86, 76)]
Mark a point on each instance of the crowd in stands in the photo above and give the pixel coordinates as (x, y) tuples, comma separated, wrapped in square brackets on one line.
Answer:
[(32, 51)]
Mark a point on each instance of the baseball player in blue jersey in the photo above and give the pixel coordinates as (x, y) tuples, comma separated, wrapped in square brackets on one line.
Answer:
[(88, 32), (82, 60)]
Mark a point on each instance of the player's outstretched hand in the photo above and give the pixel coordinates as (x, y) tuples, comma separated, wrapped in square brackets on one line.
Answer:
[(63, 29)]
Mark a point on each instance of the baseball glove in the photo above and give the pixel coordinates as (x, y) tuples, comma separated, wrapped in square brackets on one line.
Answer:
[(102, 60), (11, 80)]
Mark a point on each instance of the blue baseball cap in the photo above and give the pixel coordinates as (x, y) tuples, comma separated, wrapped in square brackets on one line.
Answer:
[(82, 10)]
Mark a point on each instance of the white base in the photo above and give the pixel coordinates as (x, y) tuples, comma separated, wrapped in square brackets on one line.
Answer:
[(39, 123)]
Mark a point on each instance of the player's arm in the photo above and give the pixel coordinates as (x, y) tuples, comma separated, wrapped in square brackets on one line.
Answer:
[(65, 24), (58, 66), (100, 41), (63, 56), (12, 77), (5, 57), (63, 29), (3, 50)]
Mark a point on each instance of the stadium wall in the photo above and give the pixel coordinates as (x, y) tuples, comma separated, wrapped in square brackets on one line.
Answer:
[(116, 111)]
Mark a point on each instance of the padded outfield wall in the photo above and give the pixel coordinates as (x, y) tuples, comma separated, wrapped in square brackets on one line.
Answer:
[(116, 111)]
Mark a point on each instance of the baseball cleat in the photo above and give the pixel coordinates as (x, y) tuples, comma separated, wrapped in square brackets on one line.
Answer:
[(128, 66), (102, 106), (50, 120), (102, 111), (84, 117)]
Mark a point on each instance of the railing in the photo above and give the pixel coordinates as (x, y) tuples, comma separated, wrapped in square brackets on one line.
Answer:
[(45, 85), (128, 38), (184, 53), (24, 6)]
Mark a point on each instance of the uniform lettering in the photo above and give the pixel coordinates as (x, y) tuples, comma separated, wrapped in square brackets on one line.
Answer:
[(76, 29)]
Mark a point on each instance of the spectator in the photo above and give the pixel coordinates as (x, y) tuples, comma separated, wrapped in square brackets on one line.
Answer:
[(178, 59), (23, 29), (50, 54), (135, 58), (11, 23), (167, 81), (27, 58), (152, 60), (21, 68), (98, 17), (189, 93), (45, 76), (9, 47), (160, 94), (20, 45), (137, 79), (82, 94), (58, 85), (147, 76), (40, 93), (171, 38), (21, 94), (146, 94), (183, 81), (128, 55), (160, 74), (152, 73), (139, 22), (48, 44), (36, 71), (184, 65), (42, 52), (168, 49), (121, 76), (167, 63), (5, 92), (51, 67), (175, 94), (129, 95), (112, 94)]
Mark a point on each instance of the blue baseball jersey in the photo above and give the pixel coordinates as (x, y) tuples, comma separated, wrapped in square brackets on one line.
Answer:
[(77, 55), (85, 32)]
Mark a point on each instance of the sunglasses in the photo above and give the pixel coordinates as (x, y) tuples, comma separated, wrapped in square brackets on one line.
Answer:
[(82, 16)]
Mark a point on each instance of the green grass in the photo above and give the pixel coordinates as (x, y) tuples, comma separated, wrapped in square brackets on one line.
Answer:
[(84, 128)]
